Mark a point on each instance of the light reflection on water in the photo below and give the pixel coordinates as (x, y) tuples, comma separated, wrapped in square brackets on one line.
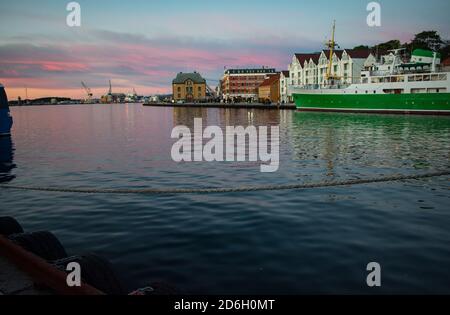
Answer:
[(312, 241)]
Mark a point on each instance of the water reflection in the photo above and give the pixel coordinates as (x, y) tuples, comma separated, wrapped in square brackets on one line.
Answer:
[(6, 159), (214, 243), (225, 117), (382, 141)]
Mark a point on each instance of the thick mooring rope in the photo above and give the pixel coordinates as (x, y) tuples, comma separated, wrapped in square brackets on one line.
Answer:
[(161, 191)]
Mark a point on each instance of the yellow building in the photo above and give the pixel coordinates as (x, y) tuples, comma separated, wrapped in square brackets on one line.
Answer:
[(189, 87), (269, 90)]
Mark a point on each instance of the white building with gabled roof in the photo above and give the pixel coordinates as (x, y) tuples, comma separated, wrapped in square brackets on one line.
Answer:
[(311, 69)]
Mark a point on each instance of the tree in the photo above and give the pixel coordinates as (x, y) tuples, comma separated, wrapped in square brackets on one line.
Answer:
[(429, 40), (361, 47), (445, 50), (392, 44), (383, 48)]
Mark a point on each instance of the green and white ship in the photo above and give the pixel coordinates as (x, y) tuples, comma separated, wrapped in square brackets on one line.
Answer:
[(391, 86)]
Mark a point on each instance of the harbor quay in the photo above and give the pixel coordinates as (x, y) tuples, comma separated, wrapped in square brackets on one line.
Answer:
[(226, 105)]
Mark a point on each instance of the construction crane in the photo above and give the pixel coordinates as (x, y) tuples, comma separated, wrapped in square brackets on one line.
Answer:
[(88, 92)]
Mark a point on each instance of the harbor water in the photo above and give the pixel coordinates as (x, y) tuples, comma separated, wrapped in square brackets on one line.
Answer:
[(271, 242)]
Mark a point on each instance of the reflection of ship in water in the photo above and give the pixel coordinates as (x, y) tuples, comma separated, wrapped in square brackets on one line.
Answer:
[(6, 159), (350, 141)]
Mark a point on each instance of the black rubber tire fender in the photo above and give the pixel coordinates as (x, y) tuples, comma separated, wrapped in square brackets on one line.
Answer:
[(9, 226), (95, 271), (43, 244)]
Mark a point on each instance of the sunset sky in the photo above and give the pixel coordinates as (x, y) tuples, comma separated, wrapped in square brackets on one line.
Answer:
[(142, 44)]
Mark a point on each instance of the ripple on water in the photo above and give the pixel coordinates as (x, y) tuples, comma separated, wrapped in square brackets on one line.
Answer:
[(309, 241)]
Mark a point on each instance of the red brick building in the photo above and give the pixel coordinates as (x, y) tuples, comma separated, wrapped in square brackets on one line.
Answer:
[(239, 85)]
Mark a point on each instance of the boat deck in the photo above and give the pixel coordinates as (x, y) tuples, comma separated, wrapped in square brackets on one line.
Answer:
[(15, 282)]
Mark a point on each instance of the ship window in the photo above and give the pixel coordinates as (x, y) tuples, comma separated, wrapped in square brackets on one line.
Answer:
[(367, 92), (374, 92)]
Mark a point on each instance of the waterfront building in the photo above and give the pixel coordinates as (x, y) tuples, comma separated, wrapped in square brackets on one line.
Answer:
[(284, 83), (269, 90), (310, 70), (243, 84), (302, 71), (189, 87)]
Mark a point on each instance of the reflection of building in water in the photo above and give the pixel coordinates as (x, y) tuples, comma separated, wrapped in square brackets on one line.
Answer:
[(184, 116), (227, 117), (6, 159), (253, 117)]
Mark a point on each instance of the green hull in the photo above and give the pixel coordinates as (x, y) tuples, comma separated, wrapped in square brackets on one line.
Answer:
[(395, 103)]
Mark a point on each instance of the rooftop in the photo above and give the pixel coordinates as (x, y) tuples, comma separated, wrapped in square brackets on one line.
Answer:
[(306, 57), (358, 53), (425, 53), (250, 71), (337, 52), (271, 80), (183, 77)]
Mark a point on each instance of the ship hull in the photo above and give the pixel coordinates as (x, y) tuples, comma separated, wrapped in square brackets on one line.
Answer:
[(5, 122), (424, 103)]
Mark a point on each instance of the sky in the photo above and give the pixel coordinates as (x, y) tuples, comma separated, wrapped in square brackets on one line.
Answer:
[(143, 44)]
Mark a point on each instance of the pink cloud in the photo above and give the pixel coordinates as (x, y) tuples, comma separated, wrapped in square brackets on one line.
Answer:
[(148, 65)]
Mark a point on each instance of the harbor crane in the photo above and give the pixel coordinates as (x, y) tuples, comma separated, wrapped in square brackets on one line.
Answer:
[(88, 92)]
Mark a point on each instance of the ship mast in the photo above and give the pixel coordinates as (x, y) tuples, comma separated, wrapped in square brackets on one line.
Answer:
[(331, 44)]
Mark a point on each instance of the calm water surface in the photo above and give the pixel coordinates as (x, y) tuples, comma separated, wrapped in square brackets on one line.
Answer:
[(285, 242)]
